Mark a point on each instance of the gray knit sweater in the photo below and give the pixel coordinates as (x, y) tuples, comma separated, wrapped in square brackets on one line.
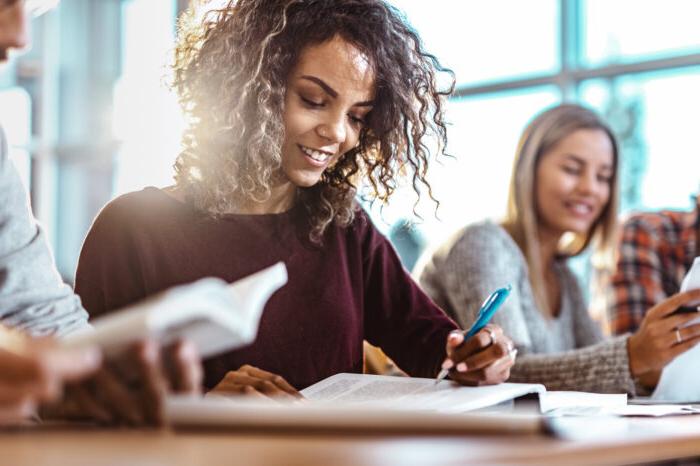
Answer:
[(564, 353), (32, 294)]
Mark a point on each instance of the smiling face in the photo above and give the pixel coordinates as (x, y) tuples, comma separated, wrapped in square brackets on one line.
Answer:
[(329, 94), (574, 182), (14, 27)]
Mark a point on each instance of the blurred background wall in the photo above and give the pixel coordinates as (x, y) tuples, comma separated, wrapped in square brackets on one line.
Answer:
[(88, 115)]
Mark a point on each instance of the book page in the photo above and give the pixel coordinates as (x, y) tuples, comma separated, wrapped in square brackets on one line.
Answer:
[(413, 393)]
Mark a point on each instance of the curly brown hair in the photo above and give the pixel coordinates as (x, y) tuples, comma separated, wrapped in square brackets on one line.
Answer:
[(230, 73)]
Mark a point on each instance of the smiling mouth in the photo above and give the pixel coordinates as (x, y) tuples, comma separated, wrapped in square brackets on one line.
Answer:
[(579, 208), (317, 155)]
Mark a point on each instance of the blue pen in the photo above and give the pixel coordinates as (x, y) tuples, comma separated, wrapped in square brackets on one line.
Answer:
[(487, 310)]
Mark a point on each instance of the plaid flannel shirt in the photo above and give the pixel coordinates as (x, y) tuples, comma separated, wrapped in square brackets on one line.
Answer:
[(655, 252)]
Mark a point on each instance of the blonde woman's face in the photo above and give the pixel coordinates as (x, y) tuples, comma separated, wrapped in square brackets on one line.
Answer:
[(329, 94), (573, 182)]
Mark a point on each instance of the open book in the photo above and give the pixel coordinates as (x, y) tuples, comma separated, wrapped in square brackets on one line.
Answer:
[(367, 403), (214, 315), (413, 393)]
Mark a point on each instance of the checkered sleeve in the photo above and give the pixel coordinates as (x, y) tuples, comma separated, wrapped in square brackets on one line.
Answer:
[(637, 283)]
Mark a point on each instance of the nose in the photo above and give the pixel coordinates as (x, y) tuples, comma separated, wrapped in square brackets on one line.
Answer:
[(588, 183), (333, 129)]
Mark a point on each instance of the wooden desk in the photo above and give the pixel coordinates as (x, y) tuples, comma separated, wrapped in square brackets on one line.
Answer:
[(630, 441)]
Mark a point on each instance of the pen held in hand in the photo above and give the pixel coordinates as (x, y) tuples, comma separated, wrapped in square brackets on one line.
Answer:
[(486, 312)]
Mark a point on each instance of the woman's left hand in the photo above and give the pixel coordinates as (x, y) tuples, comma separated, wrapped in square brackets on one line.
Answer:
[(484, 359)]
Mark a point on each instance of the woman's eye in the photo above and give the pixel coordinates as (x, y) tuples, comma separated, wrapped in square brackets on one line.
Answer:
[(604, 178), (357, 120), (311, 102), (571, 170)]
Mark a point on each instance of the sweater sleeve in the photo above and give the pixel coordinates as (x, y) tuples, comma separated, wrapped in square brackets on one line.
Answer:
[(482, 259), (399, 317), (109, 275), (469, 268), (602, 368), (32, 295)]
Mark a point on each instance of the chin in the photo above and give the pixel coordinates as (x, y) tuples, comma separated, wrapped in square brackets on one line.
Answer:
[(304, 180)]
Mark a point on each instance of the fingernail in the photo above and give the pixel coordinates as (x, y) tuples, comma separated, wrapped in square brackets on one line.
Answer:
[(462, 367), (447, 364)]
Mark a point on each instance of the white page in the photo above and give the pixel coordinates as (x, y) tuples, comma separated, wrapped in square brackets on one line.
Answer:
[(412, 393), (568, 400), (680, 379)]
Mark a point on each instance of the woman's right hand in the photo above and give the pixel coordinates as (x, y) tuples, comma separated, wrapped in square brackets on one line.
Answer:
[(249, 380), (663, 335)]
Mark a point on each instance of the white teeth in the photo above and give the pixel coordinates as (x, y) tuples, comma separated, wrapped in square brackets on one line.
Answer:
[(580, 208), (314, 154)]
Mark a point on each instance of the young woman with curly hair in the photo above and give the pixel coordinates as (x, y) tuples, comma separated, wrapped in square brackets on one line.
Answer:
[(294, 105)]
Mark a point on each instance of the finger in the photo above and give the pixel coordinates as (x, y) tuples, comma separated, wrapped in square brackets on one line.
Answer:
[(16, 412), (154, 384), (117, 398), (88, 407), (674, 321), (672, 303), (261, 385), (73, 364), (486, 356), (689, 332), (237, 390), (277, 380), (684, 346), (184, 367), (471, 346)]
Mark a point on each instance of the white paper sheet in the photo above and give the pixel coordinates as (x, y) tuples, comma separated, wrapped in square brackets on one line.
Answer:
[(413, 393), (567, 402), (680, 379)]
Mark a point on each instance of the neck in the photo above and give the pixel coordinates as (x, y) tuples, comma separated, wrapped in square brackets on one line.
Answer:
[(281, 200), (549, 242)]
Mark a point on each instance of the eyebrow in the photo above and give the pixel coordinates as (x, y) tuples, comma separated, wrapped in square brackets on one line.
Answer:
[(332, 92)]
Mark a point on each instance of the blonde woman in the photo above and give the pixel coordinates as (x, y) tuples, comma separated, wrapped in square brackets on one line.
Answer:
[(563, 198)]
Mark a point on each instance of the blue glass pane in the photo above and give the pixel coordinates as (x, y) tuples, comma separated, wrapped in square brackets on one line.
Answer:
[(656, 117), (485, 40), (624, 30)]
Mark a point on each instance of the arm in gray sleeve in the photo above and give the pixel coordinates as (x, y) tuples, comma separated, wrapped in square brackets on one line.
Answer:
[(484, 258), (32, 295), (462, 274)]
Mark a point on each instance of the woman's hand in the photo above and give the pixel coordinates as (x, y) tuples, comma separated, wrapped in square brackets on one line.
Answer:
[(249, 380), (34, 371), (484, 359), (131, 388), (663, 335)]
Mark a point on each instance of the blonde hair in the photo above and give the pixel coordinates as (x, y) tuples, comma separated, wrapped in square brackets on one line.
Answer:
[(522, 218)]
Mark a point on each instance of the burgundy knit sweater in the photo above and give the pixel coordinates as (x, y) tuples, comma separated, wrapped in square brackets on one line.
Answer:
[(351, 288)]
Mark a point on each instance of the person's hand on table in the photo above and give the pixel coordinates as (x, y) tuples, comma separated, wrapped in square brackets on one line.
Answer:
[(131, 388), (662, 336), (484, 359), (33, 371), (251, 381)]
